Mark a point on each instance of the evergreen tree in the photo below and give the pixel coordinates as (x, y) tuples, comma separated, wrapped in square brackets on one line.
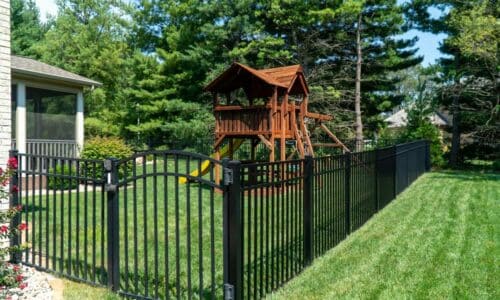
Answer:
[(89, 37), (26, 28), (470, 69)]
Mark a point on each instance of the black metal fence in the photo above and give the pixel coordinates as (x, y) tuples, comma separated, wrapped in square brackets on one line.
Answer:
[(148, 227), (288, 213)]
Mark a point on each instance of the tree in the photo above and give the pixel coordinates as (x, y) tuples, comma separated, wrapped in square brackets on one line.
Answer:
[(196, 40), (154, 117), (470, 71), (89, 37), (26, 28)]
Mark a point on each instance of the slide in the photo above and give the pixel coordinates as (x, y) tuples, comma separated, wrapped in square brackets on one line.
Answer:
[(205, 166)]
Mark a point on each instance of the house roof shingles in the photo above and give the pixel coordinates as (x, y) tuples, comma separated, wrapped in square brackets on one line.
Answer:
[(30, 67)]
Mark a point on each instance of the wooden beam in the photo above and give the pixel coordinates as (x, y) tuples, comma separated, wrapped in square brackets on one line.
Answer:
[(333, 137), (265, 141), (317, 116), (327, 145), (219, 141)]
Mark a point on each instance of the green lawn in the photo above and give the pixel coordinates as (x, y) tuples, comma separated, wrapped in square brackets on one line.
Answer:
[(439, 239)]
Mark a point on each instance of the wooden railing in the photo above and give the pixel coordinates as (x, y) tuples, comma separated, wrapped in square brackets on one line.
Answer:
[(250, 120), (237, 120), (60, 148)]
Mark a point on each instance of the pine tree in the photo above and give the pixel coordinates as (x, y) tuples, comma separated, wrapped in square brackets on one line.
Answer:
[(89, 37), (470, 69), (26, 28)]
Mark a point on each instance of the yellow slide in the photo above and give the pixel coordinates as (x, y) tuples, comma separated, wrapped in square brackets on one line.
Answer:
[(205, 166)]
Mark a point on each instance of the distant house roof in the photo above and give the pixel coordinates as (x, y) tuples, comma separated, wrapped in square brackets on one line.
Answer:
[(400, 119), (33, 68)]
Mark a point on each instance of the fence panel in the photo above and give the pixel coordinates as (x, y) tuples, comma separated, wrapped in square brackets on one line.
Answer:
[(411, 161), (272, 225), (363, 198), (169, 227), (329, 198), (386, 172), (64, 208)]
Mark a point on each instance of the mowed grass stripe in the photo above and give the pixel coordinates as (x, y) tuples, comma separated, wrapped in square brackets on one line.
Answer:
[(439, 239)]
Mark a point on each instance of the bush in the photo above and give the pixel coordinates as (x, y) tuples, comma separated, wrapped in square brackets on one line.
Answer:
[(58, 183), (101, 148), (427, 131), (11, 276)]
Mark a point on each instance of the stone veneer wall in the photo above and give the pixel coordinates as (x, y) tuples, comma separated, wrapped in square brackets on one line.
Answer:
[(5, 114)]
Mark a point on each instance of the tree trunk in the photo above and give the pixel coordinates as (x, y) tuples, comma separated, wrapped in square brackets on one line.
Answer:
[(357, 99), (455, 138)]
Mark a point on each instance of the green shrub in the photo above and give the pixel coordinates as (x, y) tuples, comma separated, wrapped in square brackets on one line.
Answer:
[(101, 148), (58, 183)]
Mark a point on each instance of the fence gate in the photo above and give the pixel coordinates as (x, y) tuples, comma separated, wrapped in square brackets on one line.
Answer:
[(166, 226), (142, 226)]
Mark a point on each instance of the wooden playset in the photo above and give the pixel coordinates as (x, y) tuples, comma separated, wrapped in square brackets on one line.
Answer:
[(264, 106), (276, 110)]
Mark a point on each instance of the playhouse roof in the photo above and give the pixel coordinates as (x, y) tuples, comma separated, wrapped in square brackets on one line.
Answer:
[(260, 83)]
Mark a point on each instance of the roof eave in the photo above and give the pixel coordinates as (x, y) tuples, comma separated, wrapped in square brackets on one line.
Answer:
[(83, 83)]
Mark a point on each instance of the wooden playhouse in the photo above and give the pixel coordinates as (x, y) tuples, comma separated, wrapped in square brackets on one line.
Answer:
[(274, 110)]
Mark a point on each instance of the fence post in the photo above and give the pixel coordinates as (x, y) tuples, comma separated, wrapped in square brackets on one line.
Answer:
[(377, 169), (15, 240), (111, 168), (308, 205), (427, 155), (395, 170), (348, 192), (232, 226)]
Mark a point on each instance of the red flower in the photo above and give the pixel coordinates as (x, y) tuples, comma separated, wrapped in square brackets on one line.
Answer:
[(4, 229), (22, 226), (19, 207), (19, 278), (12, 163), (16, 268), (23, 285), (15, 189), (1, 171)]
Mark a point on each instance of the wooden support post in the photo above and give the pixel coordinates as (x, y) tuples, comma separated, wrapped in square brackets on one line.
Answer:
[(303, 128), (284, 110), (231, 148), (298, 138), (274, 103), (217, 169), (253, 145)]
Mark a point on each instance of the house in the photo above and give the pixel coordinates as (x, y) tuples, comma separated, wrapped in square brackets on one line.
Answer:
[(47, 108), (400, 119)]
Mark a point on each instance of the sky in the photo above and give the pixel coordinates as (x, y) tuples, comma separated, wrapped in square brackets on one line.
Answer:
[(428, 43)]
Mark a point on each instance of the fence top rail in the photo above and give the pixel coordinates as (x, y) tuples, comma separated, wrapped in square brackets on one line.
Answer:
[(164, 153), (62, 158), (274, 163)]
